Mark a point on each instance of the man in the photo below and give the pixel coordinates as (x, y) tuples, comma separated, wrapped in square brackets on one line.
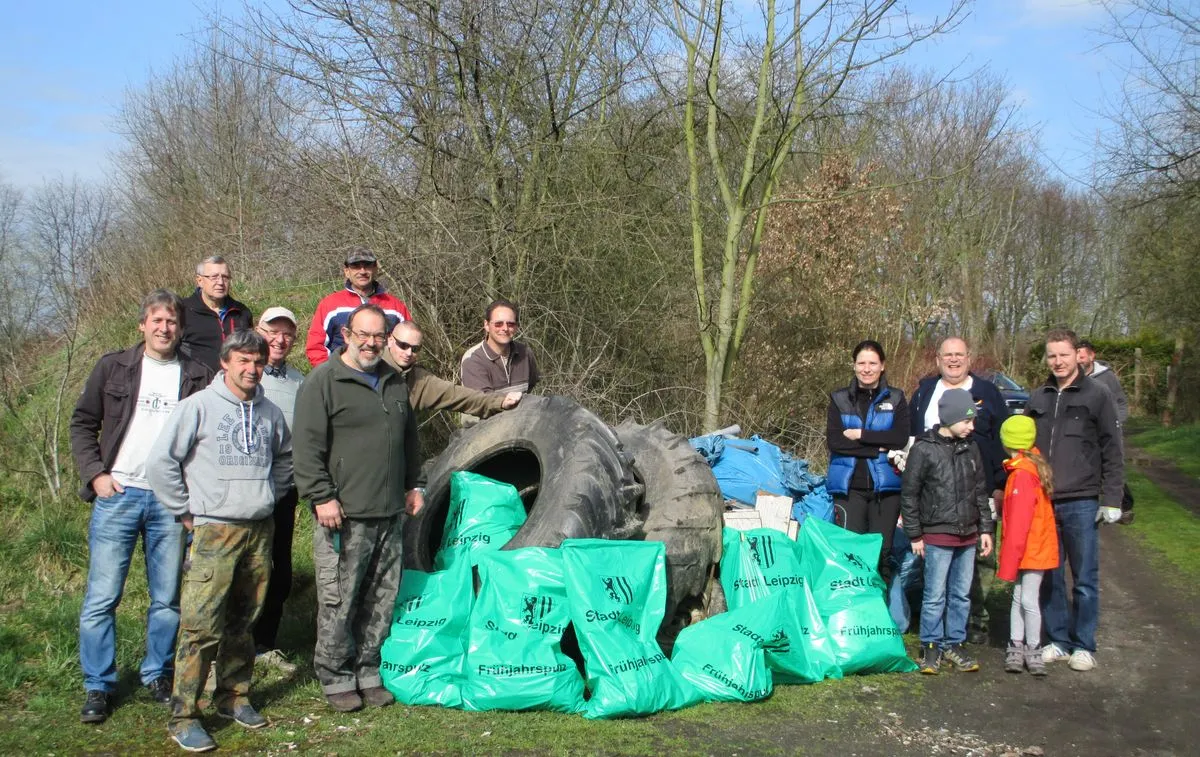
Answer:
[(1104, 375), (212, 314), (123, 406), (428, 392), (358, 463), (362, 287), (1077, 431), (281, 383), (218, 465), (499, 363), (953, 358)]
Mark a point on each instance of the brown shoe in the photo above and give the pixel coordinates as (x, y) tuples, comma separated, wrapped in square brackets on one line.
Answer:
[(377, 696), (345, 701)]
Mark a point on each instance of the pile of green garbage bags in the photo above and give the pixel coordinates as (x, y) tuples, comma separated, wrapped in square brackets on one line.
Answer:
[(799, 612)]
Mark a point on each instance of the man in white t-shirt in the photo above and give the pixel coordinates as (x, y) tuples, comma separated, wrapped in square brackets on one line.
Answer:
[(125, 403)]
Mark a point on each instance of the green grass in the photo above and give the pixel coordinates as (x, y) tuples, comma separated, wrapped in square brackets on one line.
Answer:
[(43, 568), (1169, 532), (1180, 445)]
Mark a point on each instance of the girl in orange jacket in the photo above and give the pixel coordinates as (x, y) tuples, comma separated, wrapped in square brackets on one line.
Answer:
[(1029, 541)]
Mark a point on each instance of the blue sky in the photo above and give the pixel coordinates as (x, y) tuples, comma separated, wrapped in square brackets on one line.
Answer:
[(64, 68)]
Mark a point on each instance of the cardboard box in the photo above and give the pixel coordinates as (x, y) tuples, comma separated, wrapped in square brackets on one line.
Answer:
[(743, 520)]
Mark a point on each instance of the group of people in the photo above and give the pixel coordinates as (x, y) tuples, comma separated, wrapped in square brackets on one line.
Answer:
[(944, 467), (201, 439)]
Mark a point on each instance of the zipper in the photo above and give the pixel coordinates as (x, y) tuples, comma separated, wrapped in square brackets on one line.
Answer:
[(1054, 424)]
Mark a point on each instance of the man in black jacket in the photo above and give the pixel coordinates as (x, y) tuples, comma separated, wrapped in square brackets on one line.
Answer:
[(954, 372), (1077, 431), (123, 406), (212, 314)]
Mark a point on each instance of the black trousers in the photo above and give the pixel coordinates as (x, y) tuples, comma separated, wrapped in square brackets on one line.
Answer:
[(280, 585), (866, 512)]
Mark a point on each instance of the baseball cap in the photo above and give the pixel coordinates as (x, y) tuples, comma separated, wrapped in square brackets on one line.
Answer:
[(271, 314), (360, 255)]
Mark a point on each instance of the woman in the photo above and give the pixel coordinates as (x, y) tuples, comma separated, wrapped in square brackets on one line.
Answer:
[(866, 419)]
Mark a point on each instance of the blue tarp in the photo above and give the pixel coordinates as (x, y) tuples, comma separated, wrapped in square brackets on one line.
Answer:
[(743, 467)]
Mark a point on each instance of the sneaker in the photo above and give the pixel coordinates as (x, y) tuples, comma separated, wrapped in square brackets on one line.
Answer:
[(962, 661), (1014, 657), (275, 659), (1082, 660), (244, 715), (931, 658), (160, 690), (191, 736), (1054, 653), (96, 707), (1034, 662), (377, 696), (346, 701)]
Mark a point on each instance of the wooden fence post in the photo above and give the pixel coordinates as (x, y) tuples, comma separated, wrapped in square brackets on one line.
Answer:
[(1173, 382), (1137, 381)]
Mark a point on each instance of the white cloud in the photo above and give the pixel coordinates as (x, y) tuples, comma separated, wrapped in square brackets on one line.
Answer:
[(1059, 12)]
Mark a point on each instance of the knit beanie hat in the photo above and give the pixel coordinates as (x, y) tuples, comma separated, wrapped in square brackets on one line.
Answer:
[(1018, 432), (954, 406)]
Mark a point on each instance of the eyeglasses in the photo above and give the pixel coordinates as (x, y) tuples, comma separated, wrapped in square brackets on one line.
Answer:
[(366, 338), (502, 324), (406, 346), (217, 277), (281, 335)]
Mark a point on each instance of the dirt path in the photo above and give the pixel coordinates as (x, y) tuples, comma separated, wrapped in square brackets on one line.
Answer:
[(1183, 488)]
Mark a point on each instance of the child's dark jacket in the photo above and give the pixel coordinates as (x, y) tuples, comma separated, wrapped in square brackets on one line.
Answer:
[(944, 489)]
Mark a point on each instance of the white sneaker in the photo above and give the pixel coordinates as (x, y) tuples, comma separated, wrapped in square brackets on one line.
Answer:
[(1082, 660), (1054, 653)]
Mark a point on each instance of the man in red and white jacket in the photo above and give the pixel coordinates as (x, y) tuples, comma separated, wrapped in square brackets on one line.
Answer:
[(325, 332)]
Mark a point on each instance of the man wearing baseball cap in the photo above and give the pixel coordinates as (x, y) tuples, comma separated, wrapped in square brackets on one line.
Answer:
[(280, 382), (362, 287)]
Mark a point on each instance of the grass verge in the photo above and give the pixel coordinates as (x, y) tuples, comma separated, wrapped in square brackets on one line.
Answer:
[(1168, 531), (1178, 444)]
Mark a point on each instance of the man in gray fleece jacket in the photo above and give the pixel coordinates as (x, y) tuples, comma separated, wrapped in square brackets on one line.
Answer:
[(220, 463)]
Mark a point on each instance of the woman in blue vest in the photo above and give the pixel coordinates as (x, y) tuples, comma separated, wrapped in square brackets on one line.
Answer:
[(866, 419)]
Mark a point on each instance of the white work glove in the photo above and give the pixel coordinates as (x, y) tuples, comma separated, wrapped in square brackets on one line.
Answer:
[(899, 457), (1108, 514)]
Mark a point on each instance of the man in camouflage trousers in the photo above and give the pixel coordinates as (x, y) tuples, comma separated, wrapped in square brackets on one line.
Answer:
[(358, 463), (219, 465)]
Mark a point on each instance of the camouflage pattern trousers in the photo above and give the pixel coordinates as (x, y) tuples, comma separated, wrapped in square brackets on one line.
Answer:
[(358, 576), (223, 592)]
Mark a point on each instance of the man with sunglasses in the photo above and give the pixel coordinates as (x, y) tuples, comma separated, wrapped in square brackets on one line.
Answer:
[(428, 392), (212, 314), (499, 363), (362, 287)]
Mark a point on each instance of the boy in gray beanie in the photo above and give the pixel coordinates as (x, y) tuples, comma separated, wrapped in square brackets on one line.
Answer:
[(943, 503)]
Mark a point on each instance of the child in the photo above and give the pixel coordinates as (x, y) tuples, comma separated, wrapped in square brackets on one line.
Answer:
[(1030, 545), (943, 501)]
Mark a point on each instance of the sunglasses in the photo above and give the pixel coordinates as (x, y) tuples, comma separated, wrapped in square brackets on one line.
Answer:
[(406, 346), (502, 324)]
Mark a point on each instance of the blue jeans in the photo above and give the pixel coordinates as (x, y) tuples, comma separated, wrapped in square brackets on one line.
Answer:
[(1072, 625), (946, 604), (907, 571), (116, 523)]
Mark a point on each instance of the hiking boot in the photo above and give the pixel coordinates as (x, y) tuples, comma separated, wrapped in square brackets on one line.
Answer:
[(1054, 653), (962, 661), (931, 658), (1014, 657), (160, 690), (244, 715), (345, 701), (191, 736), (275, 659), (96, 707), (377, 696), (1081, 660), (1034, 662)]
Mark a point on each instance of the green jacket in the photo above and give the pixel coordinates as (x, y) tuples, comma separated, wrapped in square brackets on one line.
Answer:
[(355, 444)]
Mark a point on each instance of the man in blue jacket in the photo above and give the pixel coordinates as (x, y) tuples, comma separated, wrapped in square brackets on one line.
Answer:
[(954, 372)]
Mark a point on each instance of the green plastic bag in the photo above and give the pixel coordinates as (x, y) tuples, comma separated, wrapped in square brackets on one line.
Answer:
[(839, 567), (422, 657), (483, 515), (515, 659), (763, 563), (617, 592), (723, 656)]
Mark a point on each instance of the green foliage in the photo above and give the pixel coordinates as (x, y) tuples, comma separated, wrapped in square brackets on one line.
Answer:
[(1169, 530)]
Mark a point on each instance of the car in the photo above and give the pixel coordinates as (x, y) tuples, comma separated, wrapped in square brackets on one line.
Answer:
[(1016, 397)]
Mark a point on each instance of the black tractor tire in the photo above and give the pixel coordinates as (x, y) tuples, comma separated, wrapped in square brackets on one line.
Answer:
[(682, 507), (567, 464)]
